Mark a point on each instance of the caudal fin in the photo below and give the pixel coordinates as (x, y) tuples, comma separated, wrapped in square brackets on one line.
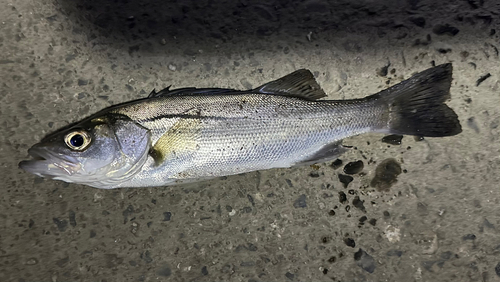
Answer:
[(416, 105)]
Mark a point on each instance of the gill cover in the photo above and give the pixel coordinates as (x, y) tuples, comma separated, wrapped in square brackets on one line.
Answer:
[(100, 151)]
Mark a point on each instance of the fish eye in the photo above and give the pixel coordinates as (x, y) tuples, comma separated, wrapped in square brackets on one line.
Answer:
[(77, 140)]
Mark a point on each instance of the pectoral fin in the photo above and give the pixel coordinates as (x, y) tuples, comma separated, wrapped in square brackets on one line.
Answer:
[(178, 142)]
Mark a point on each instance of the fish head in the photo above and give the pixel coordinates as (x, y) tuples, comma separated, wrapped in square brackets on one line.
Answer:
[(100, 152)]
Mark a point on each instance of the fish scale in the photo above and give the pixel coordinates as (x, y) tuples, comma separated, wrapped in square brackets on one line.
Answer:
[(268, 131)]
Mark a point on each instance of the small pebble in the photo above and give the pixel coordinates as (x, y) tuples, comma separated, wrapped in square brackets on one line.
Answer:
[(393, 139), (337, 163), (350, 242), (469, 237), (167, 216), (204, 270), (359, 204), (342, 197), (345, 179), (365, 261), (483, 78), (441, 29), (354, 167), (300, 202), (32, 261)]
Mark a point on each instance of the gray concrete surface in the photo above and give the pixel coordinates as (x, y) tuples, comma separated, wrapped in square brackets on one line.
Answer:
[(61, 60)]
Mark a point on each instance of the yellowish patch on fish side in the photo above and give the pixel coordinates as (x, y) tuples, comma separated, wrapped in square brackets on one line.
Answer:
[(181, 138)]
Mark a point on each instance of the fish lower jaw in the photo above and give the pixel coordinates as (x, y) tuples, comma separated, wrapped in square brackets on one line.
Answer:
[(69, 169)]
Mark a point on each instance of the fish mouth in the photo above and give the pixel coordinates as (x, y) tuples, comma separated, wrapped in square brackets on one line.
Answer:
[(49, 165)]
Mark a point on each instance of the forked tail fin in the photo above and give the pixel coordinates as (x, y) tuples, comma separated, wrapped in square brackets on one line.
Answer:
[(416, 105)]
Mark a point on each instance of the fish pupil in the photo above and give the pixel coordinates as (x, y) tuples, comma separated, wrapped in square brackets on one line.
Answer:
[(77, 140)]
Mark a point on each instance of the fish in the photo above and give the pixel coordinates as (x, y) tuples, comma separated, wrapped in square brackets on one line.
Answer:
[(192, 134)]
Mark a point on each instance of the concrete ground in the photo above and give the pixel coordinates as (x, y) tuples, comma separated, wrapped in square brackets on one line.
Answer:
[(62, 60)]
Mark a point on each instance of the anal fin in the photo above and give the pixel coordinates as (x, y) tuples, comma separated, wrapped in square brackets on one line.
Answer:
[(326, 153)]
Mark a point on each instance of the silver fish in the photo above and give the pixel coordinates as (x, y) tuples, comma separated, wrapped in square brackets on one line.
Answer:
[(191, 134)]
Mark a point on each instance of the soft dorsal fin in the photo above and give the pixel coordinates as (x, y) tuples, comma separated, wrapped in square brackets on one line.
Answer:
[(300, 83)]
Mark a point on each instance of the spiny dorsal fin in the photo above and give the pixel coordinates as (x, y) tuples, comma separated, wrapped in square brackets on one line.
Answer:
[(190, 91), (300, 83)]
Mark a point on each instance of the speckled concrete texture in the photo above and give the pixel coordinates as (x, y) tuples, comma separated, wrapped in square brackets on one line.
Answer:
[(438, 218)]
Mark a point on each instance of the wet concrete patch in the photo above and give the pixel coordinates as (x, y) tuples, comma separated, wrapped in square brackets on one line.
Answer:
[(164, 271), (386, 174)]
